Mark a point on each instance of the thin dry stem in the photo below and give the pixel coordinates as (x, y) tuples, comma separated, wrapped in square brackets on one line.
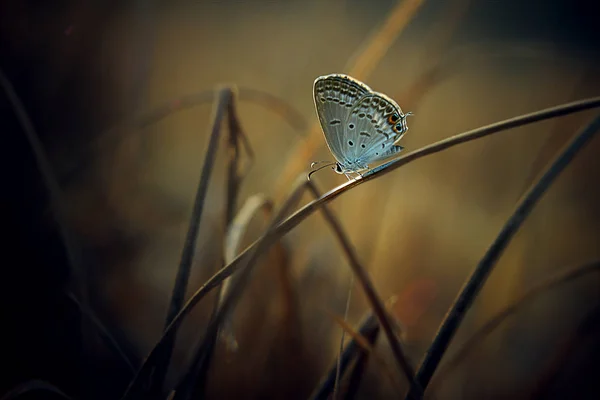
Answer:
[(479, 336), (226, 306), (187, 256), (367, 348), (196, 375), (368, 327), (477, 279), (358, 371), (365, 281)]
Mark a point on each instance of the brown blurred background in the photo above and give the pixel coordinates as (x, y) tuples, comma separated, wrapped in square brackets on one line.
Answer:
[(82, 68)]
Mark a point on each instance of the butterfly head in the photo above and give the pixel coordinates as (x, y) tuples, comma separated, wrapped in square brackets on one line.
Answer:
[(349, 166)]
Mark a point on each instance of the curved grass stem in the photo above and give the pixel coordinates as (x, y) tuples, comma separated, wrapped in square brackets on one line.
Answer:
[(478, 277)]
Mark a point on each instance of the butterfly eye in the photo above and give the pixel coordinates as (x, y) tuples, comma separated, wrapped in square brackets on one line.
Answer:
[(392, 119)]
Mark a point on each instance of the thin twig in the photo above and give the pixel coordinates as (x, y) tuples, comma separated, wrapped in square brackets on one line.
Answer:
[(489, 327), (484, 268), (368, 287), (187, 256)]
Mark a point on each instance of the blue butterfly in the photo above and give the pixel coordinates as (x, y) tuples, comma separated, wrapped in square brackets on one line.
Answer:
[(360, 126)]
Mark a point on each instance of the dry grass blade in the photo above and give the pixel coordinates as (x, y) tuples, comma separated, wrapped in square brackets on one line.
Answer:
[(135, 385), (72, 248), (198, 367), (238, 227), (108, 138), (185, 265), (196, 374), (355, 378), (232, 296), (556, 280), (30, 386), (555, 138), (553, 112), (368, 287), (358, 338), (269, 101), (474, 283), (359, 66), (376, 46), (367, 329), (367, 348), (273, 235)]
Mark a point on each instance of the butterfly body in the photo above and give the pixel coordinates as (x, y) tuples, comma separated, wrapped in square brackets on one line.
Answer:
[(360, 126)]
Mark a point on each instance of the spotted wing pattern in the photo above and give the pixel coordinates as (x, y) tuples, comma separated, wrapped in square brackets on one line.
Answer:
[(335, 95), (373, 125)]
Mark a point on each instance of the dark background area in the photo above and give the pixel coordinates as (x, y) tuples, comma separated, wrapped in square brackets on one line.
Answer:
[(82, 67)]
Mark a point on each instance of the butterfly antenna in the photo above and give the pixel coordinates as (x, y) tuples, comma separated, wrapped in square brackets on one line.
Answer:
[(312, 164), (320, 168)]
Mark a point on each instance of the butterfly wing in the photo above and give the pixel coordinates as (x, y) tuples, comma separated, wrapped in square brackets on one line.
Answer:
[(374, 124), (334, 97)]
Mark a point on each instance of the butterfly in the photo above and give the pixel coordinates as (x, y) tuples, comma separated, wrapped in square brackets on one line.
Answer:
[(360, 126)]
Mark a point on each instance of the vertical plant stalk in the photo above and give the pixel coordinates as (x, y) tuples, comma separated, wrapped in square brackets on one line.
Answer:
[(239, 284), (369, 289), (474, 283), (195, 377), (367, 328), (343, 337), (489, 327), (360, 367), (183, 273)]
